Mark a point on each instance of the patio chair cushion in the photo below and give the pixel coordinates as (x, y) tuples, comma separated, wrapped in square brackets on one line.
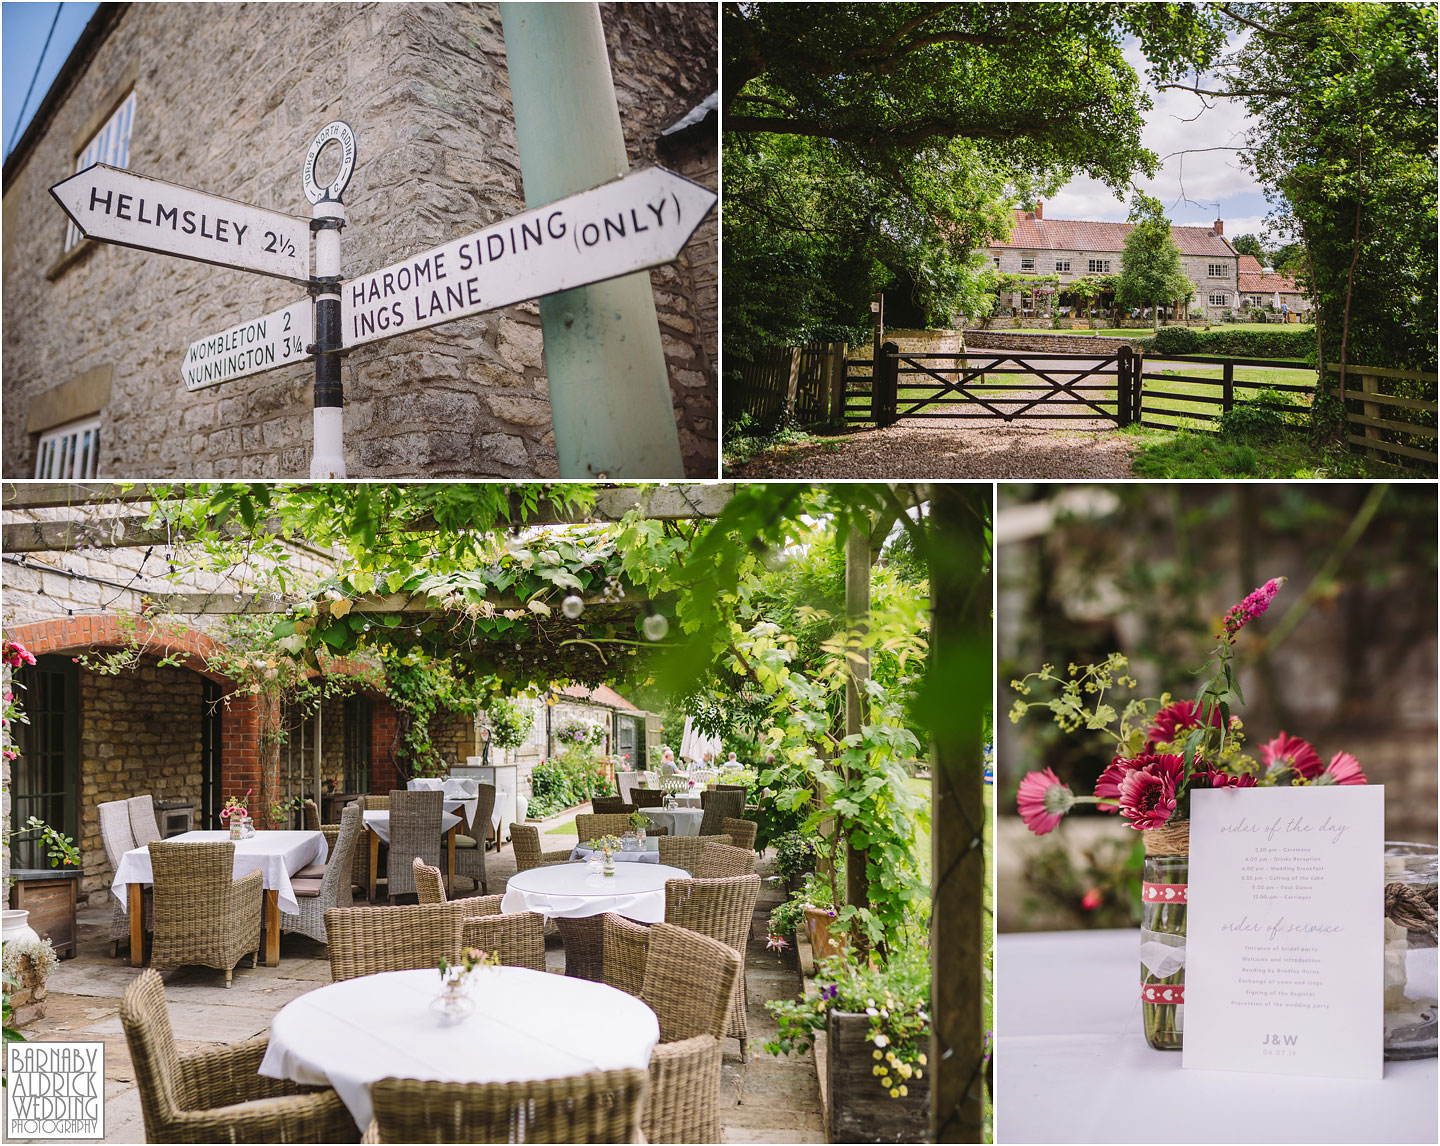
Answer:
[(314, 871), (465, 842), (305, 888)]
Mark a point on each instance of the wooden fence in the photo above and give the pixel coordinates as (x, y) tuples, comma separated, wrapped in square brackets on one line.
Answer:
[(1389, 423), (803, 384), (1156, 402)]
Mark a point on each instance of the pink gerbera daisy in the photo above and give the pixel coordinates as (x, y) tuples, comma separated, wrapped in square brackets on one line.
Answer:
[(1290, 752), (1042, 800), (1342, 769), (1147, 793), (1217, 779), (1108, 786), (1173, 719)]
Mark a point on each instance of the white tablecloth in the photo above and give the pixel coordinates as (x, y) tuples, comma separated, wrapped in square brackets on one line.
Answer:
[(462, 793), (277, 855), (1072, 1065), (569, 890), (680, 821), (379, 823), (650, 855), (527, 1025)]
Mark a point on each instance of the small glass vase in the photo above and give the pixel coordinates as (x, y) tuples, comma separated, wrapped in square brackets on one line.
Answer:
[(452, 1005), (1162, 935), (1410, 950), (609, 868)]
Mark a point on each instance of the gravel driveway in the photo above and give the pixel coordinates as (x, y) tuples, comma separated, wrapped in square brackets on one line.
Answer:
[(992, 449)]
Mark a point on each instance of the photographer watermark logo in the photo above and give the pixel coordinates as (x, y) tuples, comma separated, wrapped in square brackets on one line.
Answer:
[(55, 1090)]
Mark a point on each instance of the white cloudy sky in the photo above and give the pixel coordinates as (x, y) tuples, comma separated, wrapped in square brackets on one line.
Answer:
[(1195, 189)]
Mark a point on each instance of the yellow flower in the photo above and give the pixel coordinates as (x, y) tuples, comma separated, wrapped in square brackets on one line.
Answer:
[(904, 1090), (921, 1061), (894, 1093), (877, 1054), (877, 1070)]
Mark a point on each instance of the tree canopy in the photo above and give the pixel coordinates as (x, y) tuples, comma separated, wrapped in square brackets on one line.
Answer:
[(1150, 269)]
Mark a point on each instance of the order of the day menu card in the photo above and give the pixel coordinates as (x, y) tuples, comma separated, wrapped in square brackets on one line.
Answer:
[(1284, 961)]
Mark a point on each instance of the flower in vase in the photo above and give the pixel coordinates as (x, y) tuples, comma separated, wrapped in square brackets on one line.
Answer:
[(1147, 793), (1042, 800), (1290, 752), (1242, 614), (1342, 769), (1174, 719), (1217, 779), (1108, 786)]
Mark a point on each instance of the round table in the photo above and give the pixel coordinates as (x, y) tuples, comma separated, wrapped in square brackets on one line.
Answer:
[(527, 1025), (680, 821), (575, 897)]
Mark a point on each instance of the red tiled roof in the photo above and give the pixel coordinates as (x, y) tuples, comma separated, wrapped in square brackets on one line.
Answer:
[(1078, 235), (1255, 280), (600, 694), (1249, 264)]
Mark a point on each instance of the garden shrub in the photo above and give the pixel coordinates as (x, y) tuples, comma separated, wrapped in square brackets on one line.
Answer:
[(1174, 340), (564, 781), (1232, 343), (1254, 422)]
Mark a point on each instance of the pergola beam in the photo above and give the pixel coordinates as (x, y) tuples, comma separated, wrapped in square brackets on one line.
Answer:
[(222, 603)]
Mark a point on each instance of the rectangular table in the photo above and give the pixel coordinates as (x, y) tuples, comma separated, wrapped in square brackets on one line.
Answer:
[(378, 822), (276, 855)]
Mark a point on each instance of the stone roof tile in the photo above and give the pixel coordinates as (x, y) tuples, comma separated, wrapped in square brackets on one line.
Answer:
[(1031, 233)]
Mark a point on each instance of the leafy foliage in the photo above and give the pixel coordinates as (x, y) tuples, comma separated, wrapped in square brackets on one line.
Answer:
[(1150, 270), (564, 781), (1297, 344)]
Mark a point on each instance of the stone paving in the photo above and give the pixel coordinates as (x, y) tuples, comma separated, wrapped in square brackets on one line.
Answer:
[(767, 1099)]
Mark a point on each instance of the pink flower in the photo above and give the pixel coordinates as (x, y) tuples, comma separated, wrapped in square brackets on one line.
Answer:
[(16, 654), (1290, 752), (1217, 779), (1250, 608), (1342, 769), (1147, 794), (1173, 719), (1108, 786), (1091, 900), (1042, 800), (775, 943)]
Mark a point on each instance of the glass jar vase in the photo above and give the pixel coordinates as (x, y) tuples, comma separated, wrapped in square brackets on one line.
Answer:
[(1162, 934), (1410, 950)]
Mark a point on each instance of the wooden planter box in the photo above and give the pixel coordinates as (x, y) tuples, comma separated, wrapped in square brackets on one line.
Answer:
[(49, 896), (817, 924), (860, 1111)]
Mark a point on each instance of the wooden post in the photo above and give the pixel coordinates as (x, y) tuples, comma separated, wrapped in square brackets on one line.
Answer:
[(1124, 400), (877, 323), (857, 672), (885, 398), (792, 381), (835, 361), (958, 690), (1227, 388), (1370, 384), (1137, 386)]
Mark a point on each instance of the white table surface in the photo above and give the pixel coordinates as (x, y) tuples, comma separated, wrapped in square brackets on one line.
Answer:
[(460, 793), (1072, 1065), (572, 891), (680, 821), (527, 1025), (276, 855), (379, 823), (651, 853)]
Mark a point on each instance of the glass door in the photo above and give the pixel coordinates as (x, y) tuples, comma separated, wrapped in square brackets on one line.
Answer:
[(45, 780)]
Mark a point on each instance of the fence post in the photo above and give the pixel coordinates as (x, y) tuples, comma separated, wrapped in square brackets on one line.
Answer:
[(1124, 381), (836, 366), (1227, 388), (1370, 384), (787, 410), (885, 399)]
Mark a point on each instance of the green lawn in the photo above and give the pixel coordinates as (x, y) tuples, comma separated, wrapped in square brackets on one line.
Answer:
[(1172, 410), (1145, 332)]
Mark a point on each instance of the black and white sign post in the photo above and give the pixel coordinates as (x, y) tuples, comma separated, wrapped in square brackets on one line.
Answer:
[(327, 460)]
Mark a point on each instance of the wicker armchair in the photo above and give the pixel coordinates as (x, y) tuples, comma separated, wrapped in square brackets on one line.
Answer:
[(741, 832), (368, 940), (719, 861), (518, 937), (611, 805), (204, 916), (603, 1106), (624, 946), (719, 807), (143, 824), (332, 889), (723, 909), (685, 851), (118, 838), (415, 830), (647, 797), (361, 874), (217, 1094), (429, 882), (526, 840), (470, 849), (589, 826)]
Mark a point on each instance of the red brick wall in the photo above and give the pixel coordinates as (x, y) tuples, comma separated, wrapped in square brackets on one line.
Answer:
[(383, 775)]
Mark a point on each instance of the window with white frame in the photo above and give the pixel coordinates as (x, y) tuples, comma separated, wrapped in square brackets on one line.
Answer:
[(1219, 271), (111, 145), (1027, 263), (1219, 300), (69, 451), (1099, 266), (1062, 266)]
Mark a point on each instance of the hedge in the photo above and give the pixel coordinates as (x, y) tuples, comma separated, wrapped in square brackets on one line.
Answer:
[(1233, 343)]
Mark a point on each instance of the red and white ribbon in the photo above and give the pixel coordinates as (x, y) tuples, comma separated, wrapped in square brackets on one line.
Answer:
[(1162, 995), (1163, 892)]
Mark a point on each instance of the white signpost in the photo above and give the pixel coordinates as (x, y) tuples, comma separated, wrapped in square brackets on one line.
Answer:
[(639, 221), (132, 210), (276, 339)]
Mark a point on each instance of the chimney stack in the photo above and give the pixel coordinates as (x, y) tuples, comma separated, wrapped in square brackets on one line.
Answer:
[(1039, 209), (1219, 226)]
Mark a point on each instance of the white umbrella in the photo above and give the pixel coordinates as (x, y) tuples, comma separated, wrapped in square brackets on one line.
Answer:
[(694, 744)]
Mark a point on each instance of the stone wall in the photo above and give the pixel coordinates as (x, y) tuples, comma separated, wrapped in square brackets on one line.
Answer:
[(139, 734), (1058, 343), (227, 99), (915, 342)]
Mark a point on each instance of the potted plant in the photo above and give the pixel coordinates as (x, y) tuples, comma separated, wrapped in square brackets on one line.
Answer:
[(44, 901), (639, 821), (877, 1020), (795, 854)]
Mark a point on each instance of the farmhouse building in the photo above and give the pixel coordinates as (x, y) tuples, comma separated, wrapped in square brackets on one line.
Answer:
[(225, 98), (1263, 289), (1071, 249)]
